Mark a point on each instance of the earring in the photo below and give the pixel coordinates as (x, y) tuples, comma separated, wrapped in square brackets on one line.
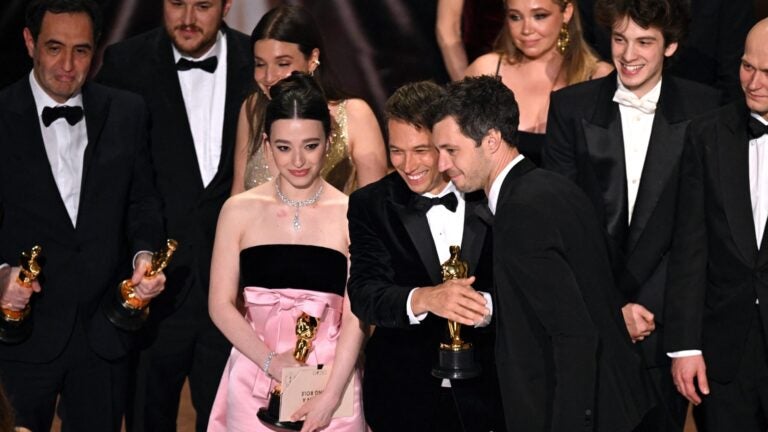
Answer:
[(564, 39), (317, 65)]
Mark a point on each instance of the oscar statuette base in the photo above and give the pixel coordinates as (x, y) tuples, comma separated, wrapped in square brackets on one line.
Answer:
[(456, 364), (271, 415), (123, 316), (13, 332)]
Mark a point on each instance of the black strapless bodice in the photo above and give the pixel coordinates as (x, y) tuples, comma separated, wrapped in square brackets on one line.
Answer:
[(531, 145), (306, 267)]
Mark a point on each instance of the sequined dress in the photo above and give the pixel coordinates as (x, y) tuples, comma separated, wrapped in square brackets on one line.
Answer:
[(281, 282), (338, 169)]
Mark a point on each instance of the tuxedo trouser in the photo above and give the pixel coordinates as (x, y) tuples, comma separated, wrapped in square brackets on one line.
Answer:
[(91, 390), (185, 344), (742, 404)]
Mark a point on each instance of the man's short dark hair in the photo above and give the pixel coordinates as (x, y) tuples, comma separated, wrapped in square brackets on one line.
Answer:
[(669, 16), (409, 103), (479, 104), (37, 9)]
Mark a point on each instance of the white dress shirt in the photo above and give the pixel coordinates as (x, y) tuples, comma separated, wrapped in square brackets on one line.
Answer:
[(447, 229), (65, 147), (636, 127), (758, 192), (204, 98)]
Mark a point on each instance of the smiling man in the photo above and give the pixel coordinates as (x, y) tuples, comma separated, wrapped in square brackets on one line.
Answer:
[(619, 138), (76, 180), (194, 73), (717, 300), (564, 359), (401, 228)]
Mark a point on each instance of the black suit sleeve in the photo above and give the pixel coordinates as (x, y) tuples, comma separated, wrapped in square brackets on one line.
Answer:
[(559, 155), (375, 297), (536, 260), (145, 224), (686, 281)]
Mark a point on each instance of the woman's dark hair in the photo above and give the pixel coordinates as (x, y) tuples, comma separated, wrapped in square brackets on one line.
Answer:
[(297, 96), (293, 24)]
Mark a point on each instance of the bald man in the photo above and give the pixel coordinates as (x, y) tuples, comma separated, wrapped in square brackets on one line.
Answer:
[(717, 298)]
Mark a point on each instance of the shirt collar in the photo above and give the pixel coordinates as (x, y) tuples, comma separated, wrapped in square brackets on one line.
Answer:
[(493, 194), (449, 188), (759, 117), (214, 51), (651, 96), (42, 99)]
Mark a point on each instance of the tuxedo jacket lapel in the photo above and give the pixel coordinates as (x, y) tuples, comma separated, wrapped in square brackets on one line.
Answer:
[(239, 72), (96, 108), (34, 156), (604, 140), (417, 226), (664, 149), (474, 230), (168, 85), (734, 178)]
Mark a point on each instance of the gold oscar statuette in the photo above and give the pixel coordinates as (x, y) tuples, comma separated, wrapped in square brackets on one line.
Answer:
[(306, 330), (129, 311), (456, 358), (15, 327)]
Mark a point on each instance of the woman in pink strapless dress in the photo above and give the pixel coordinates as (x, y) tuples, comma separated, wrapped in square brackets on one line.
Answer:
[(286, 242)]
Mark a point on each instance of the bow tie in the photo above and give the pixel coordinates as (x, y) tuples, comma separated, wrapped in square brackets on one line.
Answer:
[(757, 128), (208, 65), (628, 99), (73, 114), (423, 204)]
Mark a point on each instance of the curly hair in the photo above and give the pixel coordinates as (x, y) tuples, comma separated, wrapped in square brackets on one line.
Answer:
[(671, 17)]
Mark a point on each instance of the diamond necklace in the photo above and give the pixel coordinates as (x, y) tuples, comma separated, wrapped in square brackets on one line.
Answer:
[(296, 203)]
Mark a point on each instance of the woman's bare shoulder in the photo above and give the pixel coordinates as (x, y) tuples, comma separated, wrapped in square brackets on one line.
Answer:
[(483, 65)]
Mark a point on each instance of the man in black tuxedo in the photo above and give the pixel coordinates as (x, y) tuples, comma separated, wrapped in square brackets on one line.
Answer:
[(619, 139), (563, 355), (76, 179), (194, 74), (399, 238), (717, 304)]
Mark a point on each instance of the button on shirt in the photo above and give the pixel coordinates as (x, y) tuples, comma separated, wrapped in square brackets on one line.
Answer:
[(65, 147), (636, 129), (204, 97)]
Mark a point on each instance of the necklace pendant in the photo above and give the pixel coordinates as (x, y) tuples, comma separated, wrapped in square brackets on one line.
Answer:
[(296, 223)]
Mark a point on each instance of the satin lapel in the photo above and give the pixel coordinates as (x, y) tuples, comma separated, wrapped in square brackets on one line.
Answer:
[(732, 143), (474, 231), (664, 150), (417, 226), (239, 73), (173, 101), (605, 145), (96, 107), (34, 156)]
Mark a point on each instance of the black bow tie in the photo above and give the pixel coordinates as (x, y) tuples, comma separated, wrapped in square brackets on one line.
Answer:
[(757, 128), (208, 65), (73, 114), (423, 204)]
